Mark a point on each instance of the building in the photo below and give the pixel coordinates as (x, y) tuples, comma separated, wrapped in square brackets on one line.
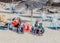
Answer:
[(48, 2)]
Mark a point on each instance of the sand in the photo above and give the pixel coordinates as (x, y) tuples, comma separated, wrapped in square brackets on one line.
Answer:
[(50, 36)]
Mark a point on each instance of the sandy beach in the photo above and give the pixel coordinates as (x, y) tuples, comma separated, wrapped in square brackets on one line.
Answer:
[(50, 36)]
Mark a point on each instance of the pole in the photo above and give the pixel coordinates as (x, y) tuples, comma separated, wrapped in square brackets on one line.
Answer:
[(31, 16)]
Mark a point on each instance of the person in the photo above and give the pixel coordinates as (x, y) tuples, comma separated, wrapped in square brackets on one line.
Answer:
[(26, 27), (33, 28), (38, 30), (20, 29), (15, 23), (38, 27), (42, 28), (36, 23), (19, 20)]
